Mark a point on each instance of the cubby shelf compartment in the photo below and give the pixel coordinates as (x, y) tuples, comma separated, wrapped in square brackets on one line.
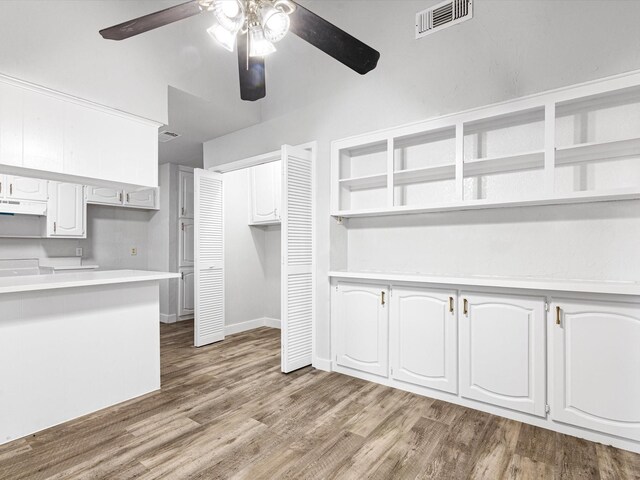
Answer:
[(513, 153), (426, 174), (504, 164), (593, 152), (365, 182)]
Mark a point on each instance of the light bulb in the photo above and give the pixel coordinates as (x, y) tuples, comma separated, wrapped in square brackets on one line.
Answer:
[(275, 23), (229, 13), (259, 46), (223, 36)]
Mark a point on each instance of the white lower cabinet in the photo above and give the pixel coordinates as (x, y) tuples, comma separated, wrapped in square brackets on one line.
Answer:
[(66, 212), (595, 366), (424, 337), (186, 293), (361, 328), (502, 351)]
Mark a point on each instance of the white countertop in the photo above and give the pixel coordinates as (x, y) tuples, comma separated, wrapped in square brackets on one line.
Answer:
[(527, 283), (28, 283)]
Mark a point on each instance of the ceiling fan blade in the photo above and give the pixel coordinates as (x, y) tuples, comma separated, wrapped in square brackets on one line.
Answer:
[(333, 41), (151, 21), (252, 74)]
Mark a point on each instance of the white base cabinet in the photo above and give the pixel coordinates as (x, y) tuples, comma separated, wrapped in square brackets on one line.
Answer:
[(424, 337), (361, 328), (502, 351), (595, 366)]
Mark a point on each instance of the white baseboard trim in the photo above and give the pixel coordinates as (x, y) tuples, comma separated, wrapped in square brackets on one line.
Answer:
[(272, 322), (251, 324), (164, 318), (322, 364)]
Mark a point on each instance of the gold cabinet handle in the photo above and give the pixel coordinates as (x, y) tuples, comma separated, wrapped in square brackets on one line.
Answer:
[(558, 315), (382, 298), (465, 306), (450, 304)]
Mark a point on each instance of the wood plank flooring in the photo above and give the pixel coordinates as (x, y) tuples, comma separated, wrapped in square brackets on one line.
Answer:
[(226, 411)]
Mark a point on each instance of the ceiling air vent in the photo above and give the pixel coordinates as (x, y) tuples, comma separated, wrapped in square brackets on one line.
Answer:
[(166, 136), (443, 15)]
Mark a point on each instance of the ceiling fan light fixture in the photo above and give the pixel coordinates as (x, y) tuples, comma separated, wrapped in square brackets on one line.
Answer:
[(222, 36), (229, 13), (275, 23), (259, 46)]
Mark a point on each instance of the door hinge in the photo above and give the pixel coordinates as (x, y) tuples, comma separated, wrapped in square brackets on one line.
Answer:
[(546, 306), (182, 210), (182, 226), (547, 408)]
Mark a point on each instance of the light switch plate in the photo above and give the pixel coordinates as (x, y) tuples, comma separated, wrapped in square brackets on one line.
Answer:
[(134, 251)]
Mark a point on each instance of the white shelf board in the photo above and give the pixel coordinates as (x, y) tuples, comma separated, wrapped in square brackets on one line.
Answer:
[(425, 174), (590, 152), (504, 164), (576, 197), (365, 182), (527, 283)]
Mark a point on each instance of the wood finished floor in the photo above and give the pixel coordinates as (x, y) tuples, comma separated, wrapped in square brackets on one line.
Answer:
[(226, 411)]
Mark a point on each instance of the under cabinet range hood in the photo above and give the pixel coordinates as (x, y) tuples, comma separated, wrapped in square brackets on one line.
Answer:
[(23, 208)]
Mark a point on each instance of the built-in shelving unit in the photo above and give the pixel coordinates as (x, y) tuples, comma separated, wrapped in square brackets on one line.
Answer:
[(576, 144)]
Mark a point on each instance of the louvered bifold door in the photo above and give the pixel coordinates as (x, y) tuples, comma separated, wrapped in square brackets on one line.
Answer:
[(297, 258), (209, 258)]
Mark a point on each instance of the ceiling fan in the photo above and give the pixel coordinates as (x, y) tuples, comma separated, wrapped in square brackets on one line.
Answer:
[(254, 26)]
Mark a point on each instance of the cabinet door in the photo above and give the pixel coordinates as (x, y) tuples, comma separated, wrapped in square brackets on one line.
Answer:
[(186, 243), (11, 113), (595, 366), (186, 293), (186, 194), (104, 196), (361, 328), (141, 199), (66, 210), (43, 132), (24, 188), (85, 141), (502, 351), (264, 208), (424, 338)]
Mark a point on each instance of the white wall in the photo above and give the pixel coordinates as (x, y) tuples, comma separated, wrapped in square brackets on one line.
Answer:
[(252, 258), (111, 233), (509, 49)]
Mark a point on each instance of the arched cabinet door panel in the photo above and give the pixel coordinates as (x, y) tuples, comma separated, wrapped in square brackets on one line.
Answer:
[(424, 337), (361, 328), (502, 351), (595, 366)]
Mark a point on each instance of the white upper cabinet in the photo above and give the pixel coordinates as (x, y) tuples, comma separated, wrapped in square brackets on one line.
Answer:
[(502, 351), (11, 113), (595, 366), (43, 130), (105, 195), (66, 212), (265, 183), (141, 199), (186, 243), (361, 327), (424, 337), (186, 194), (23, 188)]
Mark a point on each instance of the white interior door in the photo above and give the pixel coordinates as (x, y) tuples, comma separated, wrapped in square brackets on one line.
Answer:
[(209, 258), (298, 265)]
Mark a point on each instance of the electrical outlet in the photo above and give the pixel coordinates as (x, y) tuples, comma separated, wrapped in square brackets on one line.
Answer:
[(78, 251), (134, 251)]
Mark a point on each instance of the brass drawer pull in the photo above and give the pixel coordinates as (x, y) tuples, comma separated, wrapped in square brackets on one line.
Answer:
[(558, 315), (382, 298)]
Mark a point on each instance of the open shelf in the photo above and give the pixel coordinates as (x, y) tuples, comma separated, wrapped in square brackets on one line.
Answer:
[(426, 174), (365, 182), (590, 152), (504, 164)]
